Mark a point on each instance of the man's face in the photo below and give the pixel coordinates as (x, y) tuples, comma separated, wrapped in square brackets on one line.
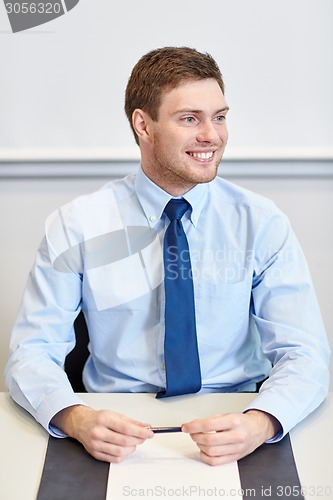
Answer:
[(189, 137)]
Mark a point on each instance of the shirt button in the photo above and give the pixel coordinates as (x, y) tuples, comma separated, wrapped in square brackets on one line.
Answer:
[(195, 218), (152, 218), (163, 366)]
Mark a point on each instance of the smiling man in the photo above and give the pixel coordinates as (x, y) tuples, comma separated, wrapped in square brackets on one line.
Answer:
[(185, 145), (246, 303)]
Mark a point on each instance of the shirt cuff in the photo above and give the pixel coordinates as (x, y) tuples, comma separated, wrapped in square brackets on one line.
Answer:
[(52, 404), (266, 405)]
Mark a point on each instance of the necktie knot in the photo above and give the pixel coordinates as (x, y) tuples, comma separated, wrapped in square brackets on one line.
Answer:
[(176, 208)]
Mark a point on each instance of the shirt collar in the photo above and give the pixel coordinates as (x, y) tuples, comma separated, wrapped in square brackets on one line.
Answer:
[(153, 199), (196, 197)]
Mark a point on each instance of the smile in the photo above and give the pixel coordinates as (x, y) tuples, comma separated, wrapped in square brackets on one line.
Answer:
[(207, 155)]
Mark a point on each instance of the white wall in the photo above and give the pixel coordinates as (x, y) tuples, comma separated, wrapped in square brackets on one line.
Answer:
[(24, 204), (63, 85)]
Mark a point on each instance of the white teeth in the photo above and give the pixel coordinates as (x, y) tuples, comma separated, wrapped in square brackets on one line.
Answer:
[(202, 156)]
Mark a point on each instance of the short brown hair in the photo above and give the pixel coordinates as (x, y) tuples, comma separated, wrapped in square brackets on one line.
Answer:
[(164, 69)]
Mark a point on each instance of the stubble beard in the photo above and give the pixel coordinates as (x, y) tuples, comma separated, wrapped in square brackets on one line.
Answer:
[(181, 174)]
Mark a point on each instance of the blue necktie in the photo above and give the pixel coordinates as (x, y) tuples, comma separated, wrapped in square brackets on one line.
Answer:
[(182, 363)]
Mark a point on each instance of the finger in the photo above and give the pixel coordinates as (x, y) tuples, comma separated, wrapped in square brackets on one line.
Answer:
[(102, 436), (215, 423), (218, 460), (126, 426), (204, 425), (219, 438), (140, 433), (221, 450), (111, 453), (119, 439)]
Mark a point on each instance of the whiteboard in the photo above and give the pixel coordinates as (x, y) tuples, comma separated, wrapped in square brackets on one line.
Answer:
[(62, 83)]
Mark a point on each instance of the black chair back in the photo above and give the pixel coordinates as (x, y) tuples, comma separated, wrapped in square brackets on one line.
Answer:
[(76, 359)]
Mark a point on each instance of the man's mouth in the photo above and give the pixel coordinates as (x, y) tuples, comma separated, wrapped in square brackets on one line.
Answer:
[(201, 155)]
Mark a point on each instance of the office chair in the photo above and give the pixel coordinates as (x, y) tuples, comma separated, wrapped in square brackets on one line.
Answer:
[(76, 359)]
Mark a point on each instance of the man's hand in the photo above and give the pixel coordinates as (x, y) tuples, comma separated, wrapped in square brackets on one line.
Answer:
[(107, 436), (226, 438)]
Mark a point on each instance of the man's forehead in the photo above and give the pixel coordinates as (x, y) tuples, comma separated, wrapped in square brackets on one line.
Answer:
[(188, 83), (190, 93)]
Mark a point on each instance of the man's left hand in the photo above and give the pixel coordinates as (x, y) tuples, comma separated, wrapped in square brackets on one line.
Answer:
[(227, 438)]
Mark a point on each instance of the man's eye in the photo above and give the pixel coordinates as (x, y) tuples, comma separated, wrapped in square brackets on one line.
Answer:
[(219, 118), (188, 119)]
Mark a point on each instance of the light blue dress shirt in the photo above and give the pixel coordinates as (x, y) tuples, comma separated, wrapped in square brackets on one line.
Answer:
[(255, 303)]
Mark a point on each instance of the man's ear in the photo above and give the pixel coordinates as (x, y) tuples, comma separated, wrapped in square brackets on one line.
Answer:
[(141, 123)]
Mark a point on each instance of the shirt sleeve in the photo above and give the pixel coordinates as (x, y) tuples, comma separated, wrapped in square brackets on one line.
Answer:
[(42, 337), (286, 316)]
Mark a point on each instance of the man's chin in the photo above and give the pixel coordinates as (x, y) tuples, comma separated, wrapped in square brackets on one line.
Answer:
[(206, 176)]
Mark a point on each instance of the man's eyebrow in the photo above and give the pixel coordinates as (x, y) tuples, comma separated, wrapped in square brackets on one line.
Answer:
[(198, 111), (223, 110)]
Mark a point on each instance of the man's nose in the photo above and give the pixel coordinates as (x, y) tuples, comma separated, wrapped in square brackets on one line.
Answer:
[(207, 132)]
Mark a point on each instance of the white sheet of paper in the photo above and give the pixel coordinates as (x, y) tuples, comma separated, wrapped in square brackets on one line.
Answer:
[(169, 466)]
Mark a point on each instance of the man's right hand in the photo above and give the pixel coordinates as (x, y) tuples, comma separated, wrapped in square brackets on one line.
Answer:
[(107, 436)]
